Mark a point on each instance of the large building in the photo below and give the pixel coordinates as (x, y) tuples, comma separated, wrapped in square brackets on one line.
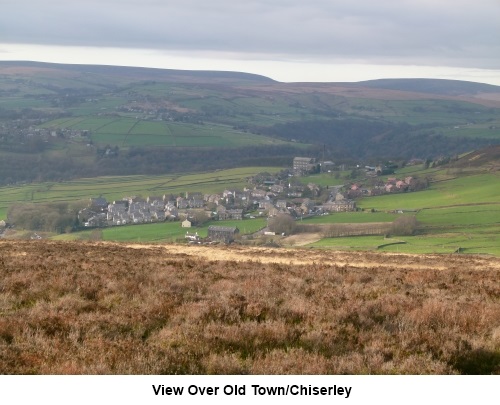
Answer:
[(302, 165), (222, 233)]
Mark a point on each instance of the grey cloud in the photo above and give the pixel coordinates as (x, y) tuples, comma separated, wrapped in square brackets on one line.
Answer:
[(437, 32)]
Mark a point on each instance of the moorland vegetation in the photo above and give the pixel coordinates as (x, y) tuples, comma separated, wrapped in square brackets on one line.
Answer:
[(87, 308)]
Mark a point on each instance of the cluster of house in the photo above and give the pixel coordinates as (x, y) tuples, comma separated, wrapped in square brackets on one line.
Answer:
[(131, 210), (269, 196), (29, 128), (268, 200), (391, 185)]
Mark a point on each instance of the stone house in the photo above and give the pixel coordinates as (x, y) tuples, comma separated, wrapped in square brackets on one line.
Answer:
[(182, 203), (340, 206), (224, 234), (98, 204)]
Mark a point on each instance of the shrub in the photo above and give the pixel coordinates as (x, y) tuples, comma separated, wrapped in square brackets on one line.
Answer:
[(404, 226)]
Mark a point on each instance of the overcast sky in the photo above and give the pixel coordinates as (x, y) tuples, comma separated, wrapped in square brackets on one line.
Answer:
[(288, 40)]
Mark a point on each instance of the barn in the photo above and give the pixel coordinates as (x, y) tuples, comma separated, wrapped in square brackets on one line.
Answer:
[(222, 233)]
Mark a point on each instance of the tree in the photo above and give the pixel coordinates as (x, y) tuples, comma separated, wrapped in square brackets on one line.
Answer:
[(404, 226), (199, 217), (282, 223), (51, 217)]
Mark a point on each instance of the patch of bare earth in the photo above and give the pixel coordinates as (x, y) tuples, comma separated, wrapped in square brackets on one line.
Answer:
[(302, 239)]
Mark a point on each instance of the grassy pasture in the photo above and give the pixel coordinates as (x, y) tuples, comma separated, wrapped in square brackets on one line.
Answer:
[(450, 242), (150, 128), (475, 131), (118, 126), (351, 218), (448, 113), (127, 132), (63, 122), (111, 139), (17, 103), (479, 188), (455, 212), (461, 215), (163, 231), (116, 187), (326, 179), (170, 231), (159, 232), (95, 107)]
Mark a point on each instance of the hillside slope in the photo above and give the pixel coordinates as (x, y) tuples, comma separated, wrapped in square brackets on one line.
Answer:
[(107, 120), (432, 86), (135, 73)]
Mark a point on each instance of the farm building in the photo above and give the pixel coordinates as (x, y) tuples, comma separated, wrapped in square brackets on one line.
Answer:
[(186, 224), (222, 233)]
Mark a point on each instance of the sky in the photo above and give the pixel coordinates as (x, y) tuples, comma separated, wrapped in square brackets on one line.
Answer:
[(287, 40)]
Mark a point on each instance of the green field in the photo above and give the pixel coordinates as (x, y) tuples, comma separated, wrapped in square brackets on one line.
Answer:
[(474, 189), (458, 214), (159, 232), (454, 214), (163, 232), (474, 215), (326, 179), (126, 132), (117, 187), (478, 243), (351, 218)]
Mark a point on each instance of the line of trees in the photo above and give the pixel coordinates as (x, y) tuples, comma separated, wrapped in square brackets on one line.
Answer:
[(29, 168), (365, 138), (50, 217), (17, 168)]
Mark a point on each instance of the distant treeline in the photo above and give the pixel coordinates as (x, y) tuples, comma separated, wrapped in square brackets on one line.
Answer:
[(365, 138), (16, 168), (53, 217)]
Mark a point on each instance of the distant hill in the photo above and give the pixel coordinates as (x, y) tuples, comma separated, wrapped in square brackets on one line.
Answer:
[(432, 86), (88, 120), (137, 72)]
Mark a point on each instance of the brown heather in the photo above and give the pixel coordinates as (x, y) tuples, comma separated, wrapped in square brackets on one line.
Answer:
[(90, 308)]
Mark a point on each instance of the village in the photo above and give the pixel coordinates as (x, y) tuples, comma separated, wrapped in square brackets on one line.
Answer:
[(266, 196)]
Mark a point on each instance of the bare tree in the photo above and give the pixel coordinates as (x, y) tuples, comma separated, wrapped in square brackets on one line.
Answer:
[(282, 223), (404, 226)]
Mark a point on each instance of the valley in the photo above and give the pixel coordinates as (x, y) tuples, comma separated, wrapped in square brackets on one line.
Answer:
[(193, 222)]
